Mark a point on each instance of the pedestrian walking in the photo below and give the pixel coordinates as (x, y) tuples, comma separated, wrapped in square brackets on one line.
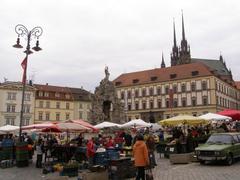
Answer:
[(141, 159)]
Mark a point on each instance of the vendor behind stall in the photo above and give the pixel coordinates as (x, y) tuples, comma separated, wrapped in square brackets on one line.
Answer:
[(90, 151)]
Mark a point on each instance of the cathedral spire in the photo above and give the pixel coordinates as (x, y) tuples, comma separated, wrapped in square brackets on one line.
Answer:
[(174, 54), (184, 54), (163, 62), (174, 35), (183, 30)]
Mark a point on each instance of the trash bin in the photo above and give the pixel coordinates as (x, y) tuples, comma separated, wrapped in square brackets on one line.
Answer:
[(22, 154)]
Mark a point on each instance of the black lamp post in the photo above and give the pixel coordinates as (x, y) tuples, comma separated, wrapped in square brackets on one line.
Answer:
[(35, 33)]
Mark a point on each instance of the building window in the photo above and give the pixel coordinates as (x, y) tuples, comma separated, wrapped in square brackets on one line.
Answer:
[(194, 101), (11, 96), (194, 113), (58, 105), (40, 93), (151, 91), (175, 89), (122, 95), (159, 104), (47, 104), (67, 105), (80, 114), (193, 86), (136, 106), (175, 103), (80, 106), (166, 89), (41, 104), (40, 116), (11, 108), (57, 116), (184, 104), (57, 95), (67, 96), (205, 100), (167, 103), (67, 116), (151, 105), (143, 92), (10, 121), (204, 85), (26, 108), (47, 116), (183, 88), (26, 121), (27, 97), (136, 93), (129, 94), (46, 94), (144, 105), (159, 90), (129, 107)]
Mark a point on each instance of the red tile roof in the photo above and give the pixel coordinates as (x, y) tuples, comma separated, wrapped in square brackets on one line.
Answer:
[(237, 83), (163, 74), (50, 88)]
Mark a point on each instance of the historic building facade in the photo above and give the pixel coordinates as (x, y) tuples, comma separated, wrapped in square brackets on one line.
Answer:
[(56, 103), (191, 85), (11, 101)]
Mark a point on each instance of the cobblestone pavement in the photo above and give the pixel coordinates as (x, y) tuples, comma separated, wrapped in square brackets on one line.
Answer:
[(164, 171)]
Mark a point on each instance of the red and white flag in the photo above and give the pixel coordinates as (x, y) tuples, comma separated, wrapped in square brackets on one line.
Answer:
[(170, 92), (24, 66)]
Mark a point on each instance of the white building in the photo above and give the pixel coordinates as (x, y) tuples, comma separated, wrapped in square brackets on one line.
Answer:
[(10, 103)]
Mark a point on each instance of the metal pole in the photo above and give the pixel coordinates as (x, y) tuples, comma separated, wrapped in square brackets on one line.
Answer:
[(24, 87)]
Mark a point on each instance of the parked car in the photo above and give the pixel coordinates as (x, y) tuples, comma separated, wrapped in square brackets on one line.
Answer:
[(220, 147)]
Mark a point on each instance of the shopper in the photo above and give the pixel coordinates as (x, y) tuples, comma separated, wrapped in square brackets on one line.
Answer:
[(39, 150), (90, 151), (140, 154)]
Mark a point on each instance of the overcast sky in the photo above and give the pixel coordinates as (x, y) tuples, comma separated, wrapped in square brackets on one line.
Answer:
[(82, 36)]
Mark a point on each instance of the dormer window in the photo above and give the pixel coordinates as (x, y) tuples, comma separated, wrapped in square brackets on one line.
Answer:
[(118, 83), (153, 78), (195, 73), (172, 76), (135, 81)]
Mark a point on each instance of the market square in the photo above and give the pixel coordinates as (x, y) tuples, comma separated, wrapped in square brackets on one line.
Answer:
[(98, 90)]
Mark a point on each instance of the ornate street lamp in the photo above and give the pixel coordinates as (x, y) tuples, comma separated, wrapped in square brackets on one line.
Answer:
[(35, 33)]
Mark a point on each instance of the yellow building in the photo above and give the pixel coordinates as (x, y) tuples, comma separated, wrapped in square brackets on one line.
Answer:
[(56, 103), (11, 101), (183, 89), (82, 103), (53, 103)]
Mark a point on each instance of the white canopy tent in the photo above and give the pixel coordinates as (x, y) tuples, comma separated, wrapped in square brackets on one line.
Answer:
[(106, 124), (215, 117), (9, 129), (135, 123), (155, 126)]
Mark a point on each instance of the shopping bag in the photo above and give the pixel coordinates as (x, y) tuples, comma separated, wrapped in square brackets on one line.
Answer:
[(149, 174)]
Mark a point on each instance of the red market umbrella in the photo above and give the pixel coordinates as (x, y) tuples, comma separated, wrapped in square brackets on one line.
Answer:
[(86, 124), (234, 114), (69, 126), (40, 126), (52, 129)]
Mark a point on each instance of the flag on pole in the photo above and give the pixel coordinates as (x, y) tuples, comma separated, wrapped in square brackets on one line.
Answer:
[(170, 98), (24, 66)]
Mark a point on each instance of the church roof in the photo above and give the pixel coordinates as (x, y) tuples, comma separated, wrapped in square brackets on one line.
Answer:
[(237, 83), (214, 65), (184, 71)]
